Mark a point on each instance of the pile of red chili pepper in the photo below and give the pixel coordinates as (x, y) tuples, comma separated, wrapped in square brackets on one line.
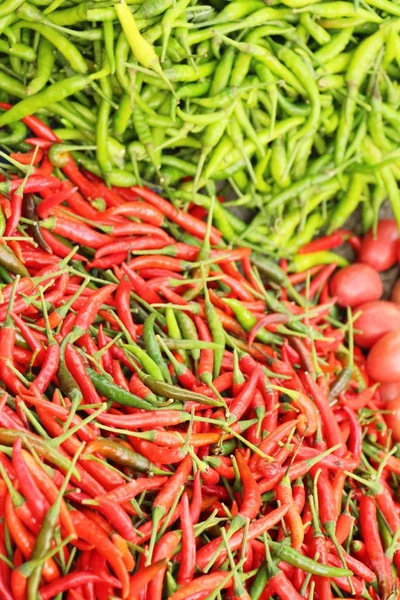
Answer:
[(177, 420)]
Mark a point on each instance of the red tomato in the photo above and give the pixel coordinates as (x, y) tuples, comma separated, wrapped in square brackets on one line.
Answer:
[(356, 284), (377, 318), (393, 419), (395, 297), (389, 391), (383, 362), (381, 252)]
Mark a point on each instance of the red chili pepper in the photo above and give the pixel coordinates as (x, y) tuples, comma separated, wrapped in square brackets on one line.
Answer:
[(358, 568), (35, 184), (34, 141), (5, 572), (58, 247), (92, 534), (30, 490), (373, 545), (7, 341), (251, 503), (141, 288), (242, 401), (164, 549), (87, 314), (127, 245), (16, 209), (165, 498), (204, 555), (72, 580), (320, 280), (77, 368), (118, 375), (50, 491), (205, 366), (122, 300), (25, 541), (116, 516), (204, 583), (326, 242), (237, 289), (77, 232), (52, 200), (194, 226), (18, 580), (188, 553), (386, 504), (30, 337), (139, 210), (331, 428)]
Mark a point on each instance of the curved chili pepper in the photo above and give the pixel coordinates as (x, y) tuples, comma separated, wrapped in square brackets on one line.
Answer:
[(194, 226), (49, 367), (51, 200), (165, 498), (164, 549), (122, 296), (132, 489), (203, 583), (251, 503), (5, 573), (18, 580), (72, 580), (140, 286), (33, 495), (26, 541), (256, 528), (139, 210), (241, 403), (77, 368), (121, 455), (285, 496), (29, 211), (92, 534), (331, 428), (116, 516), (373, 545), (49, 490), (188, 553)]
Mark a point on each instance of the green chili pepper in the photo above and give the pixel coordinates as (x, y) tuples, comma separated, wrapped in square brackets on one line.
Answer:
[(296, 559), (247, 321), (54, 93), (61, 43), (11, 263), (18, 132), (189, 331), (349, 202), (122, 455), (302, 262), (167, 390), (153, 349), (106, 387), (9, 6)]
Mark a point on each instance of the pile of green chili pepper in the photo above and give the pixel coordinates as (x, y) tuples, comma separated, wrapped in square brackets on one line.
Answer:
[(293, 105), (179, 418)]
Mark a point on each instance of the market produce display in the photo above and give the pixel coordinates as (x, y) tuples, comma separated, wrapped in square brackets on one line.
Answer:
[(185, 419), (293, 104)]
